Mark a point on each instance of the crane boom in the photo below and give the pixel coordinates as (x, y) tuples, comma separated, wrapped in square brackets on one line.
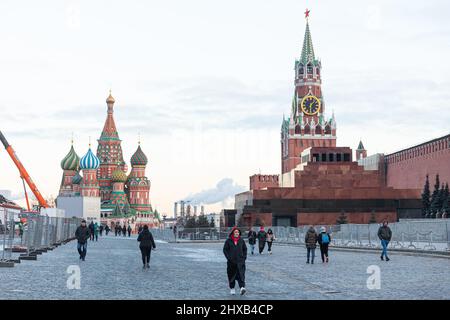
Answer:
[(23, 172)]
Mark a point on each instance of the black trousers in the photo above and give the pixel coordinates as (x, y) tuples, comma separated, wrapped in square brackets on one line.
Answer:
[(261, 245), (146, 252), (269, 244), (324, 251), (236, 272)]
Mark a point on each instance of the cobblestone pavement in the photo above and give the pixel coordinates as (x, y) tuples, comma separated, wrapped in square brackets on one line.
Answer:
[(112, 270)]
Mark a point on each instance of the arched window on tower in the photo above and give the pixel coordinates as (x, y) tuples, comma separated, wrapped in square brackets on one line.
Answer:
[(318, 130), (309, 68), (301, 70), (327, 129), (307, 129), (297, 129)]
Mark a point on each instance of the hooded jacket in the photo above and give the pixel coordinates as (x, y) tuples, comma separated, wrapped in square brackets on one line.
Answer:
[(311, 238), (235, 253), (146, 239)]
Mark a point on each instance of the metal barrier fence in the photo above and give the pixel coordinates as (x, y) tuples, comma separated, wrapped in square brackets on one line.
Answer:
[(411, 235), (28, 233)]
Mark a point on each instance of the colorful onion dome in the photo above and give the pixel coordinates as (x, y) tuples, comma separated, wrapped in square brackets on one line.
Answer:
[(89, 161), (77, 178), (139, 158), (119, 176), (70, 161)]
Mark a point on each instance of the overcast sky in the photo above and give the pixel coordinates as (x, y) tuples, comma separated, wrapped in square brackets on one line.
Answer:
[(206, 83)]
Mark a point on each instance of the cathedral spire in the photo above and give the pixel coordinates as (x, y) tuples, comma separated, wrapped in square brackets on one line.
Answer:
[(307, 49), (109, 129)]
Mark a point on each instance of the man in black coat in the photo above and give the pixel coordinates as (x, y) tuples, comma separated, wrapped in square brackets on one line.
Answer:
[(385, 235), (146, 244), (82, 234), (252, 239), (235, 251)]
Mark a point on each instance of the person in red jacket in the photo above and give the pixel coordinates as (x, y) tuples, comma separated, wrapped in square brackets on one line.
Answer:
[(235, 250)]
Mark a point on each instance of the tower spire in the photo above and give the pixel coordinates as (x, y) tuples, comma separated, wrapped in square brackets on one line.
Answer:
[(307, 49)]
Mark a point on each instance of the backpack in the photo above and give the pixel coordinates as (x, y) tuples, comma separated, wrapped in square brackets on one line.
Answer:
[(325, 238)]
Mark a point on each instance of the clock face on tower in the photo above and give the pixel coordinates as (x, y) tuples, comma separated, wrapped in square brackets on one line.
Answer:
[(310, 105)]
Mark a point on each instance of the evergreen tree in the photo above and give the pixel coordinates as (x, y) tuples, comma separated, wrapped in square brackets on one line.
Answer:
[(426, 199), (126, 209), (342, 219), (373, 217), (446, 202), (202, 221), (441, 199), (212, 224), (435, 199), (190, 223)]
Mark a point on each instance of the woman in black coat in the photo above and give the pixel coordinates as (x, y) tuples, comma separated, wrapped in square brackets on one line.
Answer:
[(235, 251), (146, 244)]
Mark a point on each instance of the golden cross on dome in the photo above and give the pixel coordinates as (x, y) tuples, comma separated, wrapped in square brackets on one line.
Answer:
[(307, 13), (139, 138), (71, 140), (89, 142)]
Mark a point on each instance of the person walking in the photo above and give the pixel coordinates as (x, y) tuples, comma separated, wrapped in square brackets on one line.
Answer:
[(124, 230), (91, 230), (235, 251), (310, 242), (82, 234), (129, 231), (324, 240), (96, 231), (270, 239), (385, 235), (261, 239), (146, 243), (107, 229), (252, 239), (101, 230)]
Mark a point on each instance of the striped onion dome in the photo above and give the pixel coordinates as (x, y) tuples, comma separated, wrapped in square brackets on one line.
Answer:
[(77, 178), (89, 161), (70, 161), (139, 158), (119, 176)]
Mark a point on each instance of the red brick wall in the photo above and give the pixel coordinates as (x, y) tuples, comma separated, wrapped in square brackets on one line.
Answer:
[(261, 181), (330, 218), (250, 219), (407, 169)]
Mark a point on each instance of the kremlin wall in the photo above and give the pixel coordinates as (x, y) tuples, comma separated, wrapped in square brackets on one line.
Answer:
[(320, 183)]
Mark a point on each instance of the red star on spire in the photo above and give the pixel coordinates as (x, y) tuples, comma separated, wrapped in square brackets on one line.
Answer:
[(307, 13)]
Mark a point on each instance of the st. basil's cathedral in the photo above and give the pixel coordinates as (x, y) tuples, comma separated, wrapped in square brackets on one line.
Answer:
[(103, 191)]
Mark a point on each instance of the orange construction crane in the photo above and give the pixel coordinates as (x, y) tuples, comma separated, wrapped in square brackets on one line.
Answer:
[(24, 174)]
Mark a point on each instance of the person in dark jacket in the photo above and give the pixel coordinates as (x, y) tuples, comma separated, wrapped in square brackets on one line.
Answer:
[(261, 239), (101, 230), (252, 239), (140, 229), (82, 234), (107, 229), (324, 240), (91, 230), (124, 231), (146, 244), (235, 251), (129, 231), (385, 235), (269, 239), (310, 242)]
